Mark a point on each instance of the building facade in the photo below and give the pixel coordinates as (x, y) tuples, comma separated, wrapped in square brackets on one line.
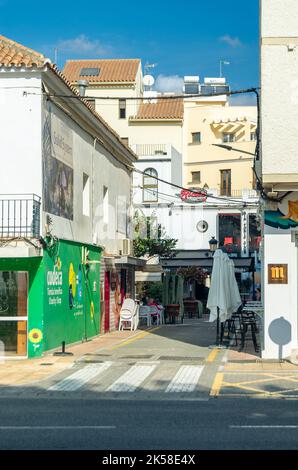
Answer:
[(279, 139), (200, 142), (65, 209)]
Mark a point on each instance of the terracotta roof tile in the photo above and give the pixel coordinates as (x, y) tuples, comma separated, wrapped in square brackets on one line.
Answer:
[(164, 109), (14, 54), (110, 70)]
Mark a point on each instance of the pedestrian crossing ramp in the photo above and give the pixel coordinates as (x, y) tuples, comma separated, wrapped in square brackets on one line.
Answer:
[(114, 379)]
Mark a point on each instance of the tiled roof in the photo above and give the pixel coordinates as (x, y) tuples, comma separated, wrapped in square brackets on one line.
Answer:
[(164, 109), (14, 54), (110, 70)]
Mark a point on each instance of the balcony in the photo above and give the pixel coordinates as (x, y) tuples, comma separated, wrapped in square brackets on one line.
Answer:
[(151, 150), (19, 216), (244, 194)]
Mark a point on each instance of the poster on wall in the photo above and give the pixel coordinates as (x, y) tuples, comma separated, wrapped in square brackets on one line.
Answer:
[(57, 165)]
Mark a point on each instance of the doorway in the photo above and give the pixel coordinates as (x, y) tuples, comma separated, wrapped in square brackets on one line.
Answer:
[(13, 313), (107, 292)]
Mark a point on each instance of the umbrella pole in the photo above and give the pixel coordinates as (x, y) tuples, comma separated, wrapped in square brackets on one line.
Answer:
[(217, 328)]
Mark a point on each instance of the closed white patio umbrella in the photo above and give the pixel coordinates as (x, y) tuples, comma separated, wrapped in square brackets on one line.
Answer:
[(224, 298)]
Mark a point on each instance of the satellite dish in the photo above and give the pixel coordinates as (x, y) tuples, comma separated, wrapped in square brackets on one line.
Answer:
[(148, 80)]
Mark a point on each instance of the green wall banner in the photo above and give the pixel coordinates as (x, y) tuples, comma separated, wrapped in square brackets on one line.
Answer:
[(63, 294), (72, 293)]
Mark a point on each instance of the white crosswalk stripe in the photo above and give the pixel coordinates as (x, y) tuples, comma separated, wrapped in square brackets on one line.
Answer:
[(132, 379), (186, 379), (80, 378)]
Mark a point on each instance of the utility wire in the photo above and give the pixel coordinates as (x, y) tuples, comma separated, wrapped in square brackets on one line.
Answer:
[(196, 191), (153, 98)]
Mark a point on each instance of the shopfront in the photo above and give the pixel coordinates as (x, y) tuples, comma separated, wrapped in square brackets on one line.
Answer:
[(45, 300)]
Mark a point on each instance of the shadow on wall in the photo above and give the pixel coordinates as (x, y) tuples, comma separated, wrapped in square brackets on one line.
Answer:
[(280, 332)]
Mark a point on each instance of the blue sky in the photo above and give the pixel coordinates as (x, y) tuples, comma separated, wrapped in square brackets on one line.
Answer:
[(183, 38)]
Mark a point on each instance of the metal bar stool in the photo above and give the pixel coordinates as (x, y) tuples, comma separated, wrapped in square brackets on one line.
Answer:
[(248, 319)]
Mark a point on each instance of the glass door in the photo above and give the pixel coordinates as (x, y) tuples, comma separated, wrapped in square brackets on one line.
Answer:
[(13, 313)]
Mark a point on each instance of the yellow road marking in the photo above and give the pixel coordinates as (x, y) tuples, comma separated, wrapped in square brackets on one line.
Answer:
[(135, 338), (217, 384), (273, 377), (212, 355)]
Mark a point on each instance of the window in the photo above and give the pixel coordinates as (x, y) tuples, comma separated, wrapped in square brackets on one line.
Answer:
[(225, 182), (195, 176), (105, 205), (196, 137), (150, 185), (228, 137), (86, 195), (229, 231), (122, 109), (89, 72)]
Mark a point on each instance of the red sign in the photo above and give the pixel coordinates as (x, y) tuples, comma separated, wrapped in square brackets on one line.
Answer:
[(189, 195)]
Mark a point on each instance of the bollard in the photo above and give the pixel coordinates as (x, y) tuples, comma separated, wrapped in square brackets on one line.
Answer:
[(63, 352)]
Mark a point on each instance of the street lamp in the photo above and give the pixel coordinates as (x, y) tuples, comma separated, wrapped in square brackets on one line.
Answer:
[(230, 148), (213, 245)]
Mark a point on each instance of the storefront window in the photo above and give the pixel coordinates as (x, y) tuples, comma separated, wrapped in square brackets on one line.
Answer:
[(13, 304), (229, 229)]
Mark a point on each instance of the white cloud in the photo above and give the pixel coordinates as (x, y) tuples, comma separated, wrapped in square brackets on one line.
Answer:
[(170, 83), (233, 42), (82, 45)]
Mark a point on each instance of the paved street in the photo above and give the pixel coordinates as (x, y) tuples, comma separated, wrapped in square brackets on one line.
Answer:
[(159, 389)]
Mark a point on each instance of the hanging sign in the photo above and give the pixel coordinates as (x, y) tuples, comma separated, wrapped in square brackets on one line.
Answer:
[(191, 196)]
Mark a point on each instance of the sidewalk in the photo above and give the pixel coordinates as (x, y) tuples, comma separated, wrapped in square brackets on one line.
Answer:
[(28, 371)]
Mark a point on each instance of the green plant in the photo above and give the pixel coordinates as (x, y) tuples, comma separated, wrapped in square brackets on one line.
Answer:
[(150, 238), (193, 273)]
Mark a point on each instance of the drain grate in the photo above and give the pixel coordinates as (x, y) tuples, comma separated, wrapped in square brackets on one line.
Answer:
[(181, 358), (46, 364)]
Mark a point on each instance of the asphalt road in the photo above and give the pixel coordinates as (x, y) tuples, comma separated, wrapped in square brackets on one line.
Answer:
[(126, 425), (88, 414)]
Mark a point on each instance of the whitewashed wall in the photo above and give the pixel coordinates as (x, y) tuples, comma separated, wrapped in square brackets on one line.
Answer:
[(20, 133), (104, 170)]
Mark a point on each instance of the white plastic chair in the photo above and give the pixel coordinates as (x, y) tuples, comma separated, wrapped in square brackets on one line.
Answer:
[(144, 313), (154, 311), (129, 314)]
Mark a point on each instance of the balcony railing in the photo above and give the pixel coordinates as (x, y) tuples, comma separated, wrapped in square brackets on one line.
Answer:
[(145, 150), (19, 215), (237, 193)]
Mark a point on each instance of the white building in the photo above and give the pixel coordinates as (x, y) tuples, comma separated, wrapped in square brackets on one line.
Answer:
[(279, 138)]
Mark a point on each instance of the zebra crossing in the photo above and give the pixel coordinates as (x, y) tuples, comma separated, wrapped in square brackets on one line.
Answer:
[(112, 377)]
